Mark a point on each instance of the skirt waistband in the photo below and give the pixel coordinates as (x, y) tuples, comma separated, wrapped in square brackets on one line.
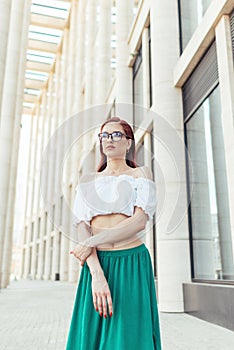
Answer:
[(122, 252)]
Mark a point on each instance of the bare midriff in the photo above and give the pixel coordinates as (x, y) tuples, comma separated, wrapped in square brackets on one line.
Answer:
[(100, 222)]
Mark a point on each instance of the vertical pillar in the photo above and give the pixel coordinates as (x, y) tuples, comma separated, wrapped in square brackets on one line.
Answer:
[(47, 190), (226, 73), (79, 56), (41, 212), (173, 250), (33, 208), (90, 26), (123, 72), (10, 123), (89, 53), (47, 266), (55, 258), (39, 271), (62, 112), (5, 6), (103, 55), (26, 256)]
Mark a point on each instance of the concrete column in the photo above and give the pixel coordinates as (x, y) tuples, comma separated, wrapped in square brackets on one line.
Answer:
[(31, 215), (90, 26), (41, 257), (103, 55), (123, 72), (173, 249), (89, 53), (79, 56), (27, 253), (5, 6), (79, 80), (42, 135), (226, 73), (28, 200), (62, 114), (47, 266), (47, 185), (72, 274), (33, 244), (78, 87), (10, 124), (55, 255), (55, 179), (64, 262), (147, 162), (30, 193), (71, 92), (34, 207)]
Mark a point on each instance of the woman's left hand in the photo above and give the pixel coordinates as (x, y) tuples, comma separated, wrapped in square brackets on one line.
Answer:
[(81, 252)]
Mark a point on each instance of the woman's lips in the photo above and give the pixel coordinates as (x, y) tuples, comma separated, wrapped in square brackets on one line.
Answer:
[(110, 147)]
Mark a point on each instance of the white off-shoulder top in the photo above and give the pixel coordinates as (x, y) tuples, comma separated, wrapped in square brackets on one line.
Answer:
[(113, 194)]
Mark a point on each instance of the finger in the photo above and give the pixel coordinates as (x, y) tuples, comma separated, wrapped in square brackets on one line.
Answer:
[(99, 298), (110, 305), (104, 307), (95, 302)]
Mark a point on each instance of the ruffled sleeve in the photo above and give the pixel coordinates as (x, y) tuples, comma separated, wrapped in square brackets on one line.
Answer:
[(80, 208), (146, 197)]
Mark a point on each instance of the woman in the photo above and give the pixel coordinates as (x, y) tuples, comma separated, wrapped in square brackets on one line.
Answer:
[(115, 306)]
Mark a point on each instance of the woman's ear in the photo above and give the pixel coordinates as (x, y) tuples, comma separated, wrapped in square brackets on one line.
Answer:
[(129, 143)]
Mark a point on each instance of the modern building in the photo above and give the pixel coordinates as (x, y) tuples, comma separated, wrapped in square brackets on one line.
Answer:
[(166, 66)]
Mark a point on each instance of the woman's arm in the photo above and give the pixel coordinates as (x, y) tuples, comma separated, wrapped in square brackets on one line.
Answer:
[(100, 289), (124, 230), (81, 252)]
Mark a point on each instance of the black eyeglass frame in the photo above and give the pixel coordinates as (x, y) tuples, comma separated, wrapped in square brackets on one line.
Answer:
[(111, 135)]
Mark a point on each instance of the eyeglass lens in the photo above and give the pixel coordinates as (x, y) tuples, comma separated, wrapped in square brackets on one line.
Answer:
[(115, 136)]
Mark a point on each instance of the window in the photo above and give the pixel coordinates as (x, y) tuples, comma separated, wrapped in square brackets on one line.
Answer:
[(209, 220), (232, 30), (138, 90), (190, 15)]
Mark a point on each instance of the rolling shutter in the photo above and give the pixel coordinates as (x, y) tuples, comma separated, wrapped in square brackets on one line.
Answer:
[(201, 82)]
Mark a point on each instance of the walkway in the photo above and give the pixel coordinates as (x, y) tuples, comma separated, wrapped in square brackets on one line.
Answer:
[(36, 315)]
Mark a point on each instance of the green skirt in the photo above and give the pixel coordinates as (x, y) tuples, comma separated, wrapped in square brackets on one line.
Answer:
[(135, 321)]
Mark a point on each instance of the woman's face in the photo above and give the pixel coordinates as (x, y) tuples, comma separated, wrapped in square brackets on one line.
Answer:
[(115, 149)]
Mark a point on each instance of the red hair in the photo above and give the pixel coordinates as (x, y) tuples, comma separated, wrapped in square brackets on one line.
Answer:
[(130, 156)]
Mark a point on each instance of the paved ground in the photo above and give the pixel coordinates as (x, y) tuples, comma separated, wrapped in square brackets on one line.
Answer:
[(35, 315)]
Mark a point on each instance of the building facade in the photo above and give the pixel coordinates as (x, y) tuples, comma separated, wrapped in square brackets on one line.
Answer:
[(166, 66)]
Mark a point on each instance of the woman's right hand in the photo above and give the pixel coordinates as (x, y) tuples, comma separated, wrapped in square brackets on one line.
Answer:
[(101, 294), (81, 252)]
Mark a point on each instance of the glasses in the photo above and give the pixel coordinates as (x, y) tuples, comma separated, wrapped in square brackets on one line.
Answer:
[(115, 136)]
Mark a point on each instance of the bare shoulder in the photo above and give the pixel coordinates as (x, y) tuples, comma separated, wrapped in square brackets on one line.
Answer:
[(144, 171)]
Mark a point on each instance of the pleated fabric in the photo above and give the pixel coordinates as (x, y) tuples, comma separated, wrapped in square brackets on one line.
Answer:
[(135, 321)]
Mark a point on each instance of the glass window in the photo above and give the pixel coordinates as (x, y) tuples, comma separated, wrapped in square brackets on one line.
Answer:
[(150, 70), (209, 215), (191, 14), (140, 159), (138, 89)]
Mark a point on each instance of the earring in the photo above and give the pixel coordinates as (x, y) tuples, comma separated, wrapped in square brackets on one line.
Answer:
[(127, 150)]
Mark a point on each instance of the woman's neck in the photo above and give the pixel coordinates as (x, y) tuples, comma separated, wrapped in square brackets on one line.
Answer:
[(116, 166)]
